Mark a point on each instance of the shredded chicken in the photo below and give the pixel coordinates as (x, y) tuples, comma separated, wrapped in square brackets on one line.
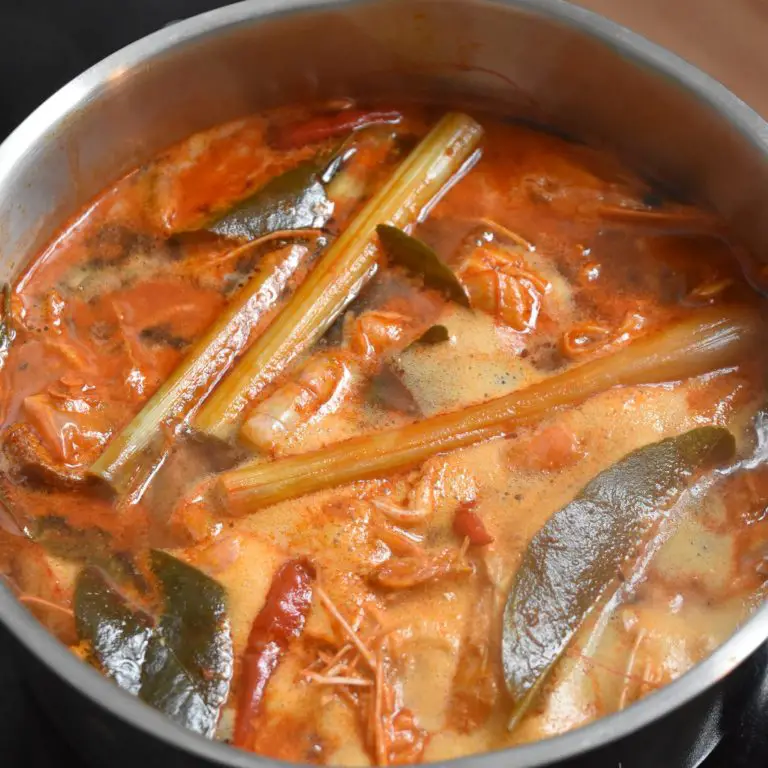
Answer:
[(475, 689), (498, 279), (398, 514), (413, 571), (392, 733), (400, 542)]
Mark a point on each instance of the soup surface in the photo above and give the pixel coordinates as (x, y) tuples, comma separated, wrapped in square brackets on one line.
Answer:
[(375, 436)]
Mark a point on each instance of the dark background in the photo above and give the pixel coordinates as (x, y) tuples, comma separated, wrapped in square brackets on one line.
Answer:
[(44, 44)]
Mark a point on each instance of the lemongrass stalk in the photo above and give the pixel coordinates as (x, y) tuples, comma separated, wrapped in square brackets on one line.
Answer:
[(343, 270), (361, 158), (206, 362), (707, 341)]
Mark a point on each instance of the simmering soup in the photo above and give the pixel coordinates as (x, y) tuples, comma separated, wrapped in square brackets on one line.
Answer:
[(373, 435)]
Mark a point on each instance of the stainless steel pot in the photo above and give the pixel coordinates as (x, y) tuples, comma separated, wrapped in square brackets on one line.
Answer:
[(541, 60)]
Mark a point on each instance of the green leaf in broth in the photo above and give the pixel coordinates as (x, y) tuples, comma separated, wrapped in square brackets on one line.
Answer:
[(295, 199), (90, 546), (181, 664), (118, 635), (189, 660), (301, 197), (416, 256), (580, 549), (437, 334)]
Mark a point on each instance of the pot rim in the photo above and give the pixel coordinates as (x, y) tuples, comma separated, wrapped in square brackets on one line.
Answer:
[(87, 86)]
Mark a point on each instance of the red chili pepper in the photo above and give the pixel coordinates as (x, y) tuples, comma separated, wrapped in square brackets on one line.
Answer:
[(323, 127), (281, 619), (467, 523)]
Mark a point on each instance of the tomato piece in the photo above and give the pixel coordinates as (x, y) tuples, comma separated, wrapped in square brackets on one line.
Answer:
[(468, 524), (550, 449)]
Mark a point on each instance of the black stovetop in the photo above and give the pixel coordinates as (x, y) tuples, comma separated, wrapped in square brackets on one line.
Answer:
[(29, 739), (43, 44)]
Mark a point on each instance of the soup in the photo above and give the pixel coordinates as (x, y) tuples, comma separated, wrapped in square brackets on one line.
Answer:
[(376, 435)]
